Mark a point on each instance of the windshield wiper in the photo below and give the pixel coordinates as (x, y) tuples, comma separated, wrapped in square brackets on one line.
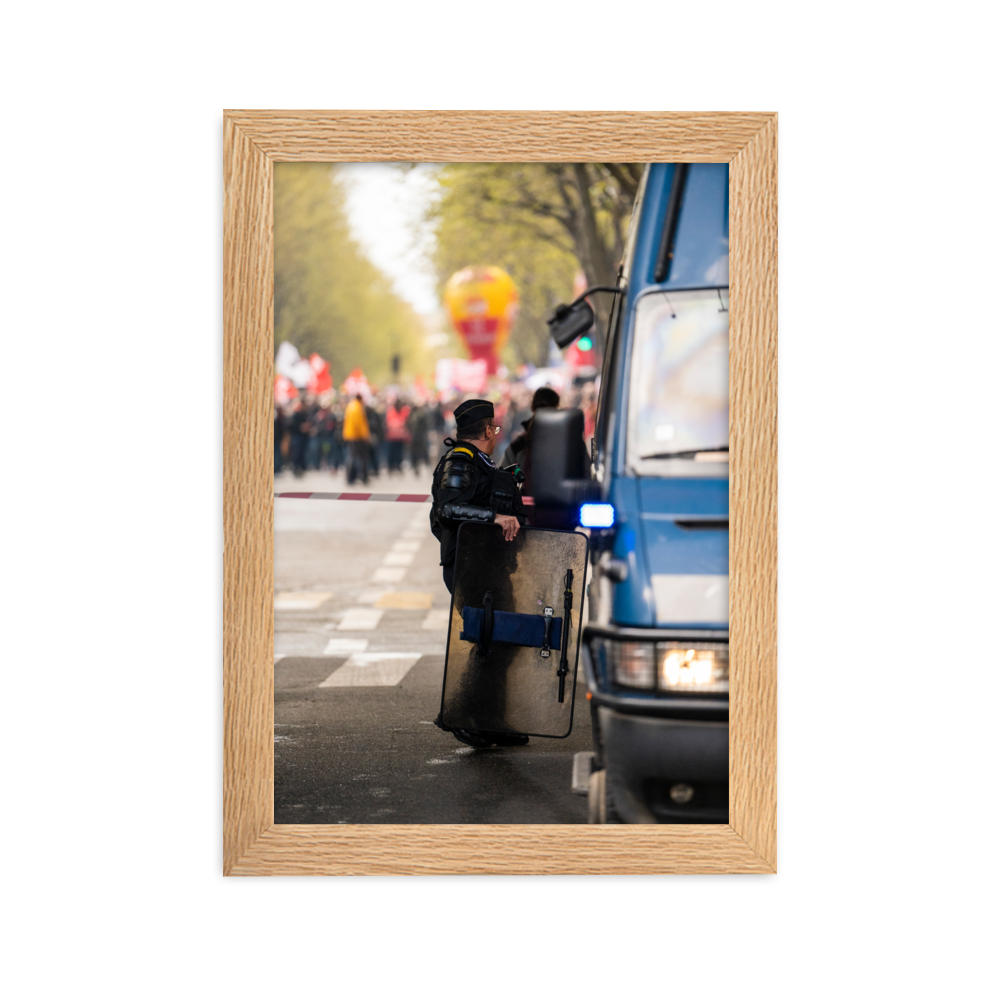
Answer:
[(684, 454)]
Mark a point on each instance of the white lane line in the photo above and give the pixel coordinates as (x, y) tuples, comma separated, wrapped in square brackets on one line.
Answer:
[(279, 656), (389, 574), (399, 558), (417, 534), (437, 618), (406, 547), (372, 670), (360, 619), (373, 595), (336, 647), (307, 600)]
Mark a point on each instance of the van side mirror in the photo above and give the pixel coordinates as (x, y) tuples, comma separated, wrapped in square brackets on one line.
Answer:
[(569, 322), (560, 471)]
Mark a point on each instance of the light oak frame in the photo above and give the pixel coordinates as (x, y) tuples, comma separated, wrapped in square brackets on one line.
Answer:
[(253, 141)]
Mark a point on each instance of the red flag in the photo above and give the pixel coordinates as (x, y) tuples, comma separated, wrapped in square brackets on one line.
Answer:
[(319, 379), (283, 390)]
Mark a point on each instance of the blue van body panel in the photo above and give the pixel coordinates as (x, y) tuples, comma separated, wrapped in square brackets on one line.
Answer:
[(645, 508), (650, 226), (670, 548), (680, 497), (633, 597)]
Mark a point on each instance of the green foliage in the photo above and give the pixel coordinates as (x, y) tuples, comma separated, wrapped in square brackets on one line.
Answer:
[(540, 222), (328, 297)]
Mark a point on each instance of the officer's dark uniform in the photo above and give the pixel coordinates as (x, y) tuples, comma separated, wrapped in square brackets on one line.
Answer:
[(467, 486)]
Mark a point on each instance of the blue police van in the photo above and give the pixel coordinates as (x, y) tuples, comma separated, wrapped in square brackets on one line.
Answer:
[(656, 646)]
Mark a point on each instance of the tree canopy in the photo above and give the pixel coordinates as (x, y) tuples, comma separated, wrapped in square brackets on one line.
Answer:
[(328, 297), (540, 222)]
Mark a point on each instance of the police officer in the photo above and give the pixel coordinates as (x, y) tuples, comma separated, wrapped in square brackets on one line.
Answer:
[(467, 486)]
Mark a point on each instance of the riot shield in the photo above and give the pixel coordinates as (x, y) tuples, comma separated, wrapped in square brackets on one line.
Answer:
[(514, 634)]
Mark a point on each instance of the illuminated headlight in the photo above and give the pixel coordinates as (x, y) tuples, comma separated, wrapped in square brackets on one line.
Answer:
[(694, 667), (667, 667), (597, 515)]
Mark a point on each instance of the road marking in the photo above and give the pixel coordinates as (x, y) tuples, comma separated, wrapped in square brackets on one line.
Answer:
[(437, 618), (373, 595), (409, 600), (399, 558), (307, 600), (406, 546), (337, 646), (418, 533), (360, 620), (388, 574), (279, 656), (372, 670)]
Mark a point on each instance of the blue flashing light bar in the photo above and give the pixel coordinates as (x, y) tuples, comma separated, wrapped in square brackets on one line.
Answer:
[(597, 515)]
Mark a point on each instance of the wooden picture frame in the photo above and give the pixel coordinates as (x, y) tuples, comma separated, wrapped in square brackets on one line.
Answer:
[(253, 141)]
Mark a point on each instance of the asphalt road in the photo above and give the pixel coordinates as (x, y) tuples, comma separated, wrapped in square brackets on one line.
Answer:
[(360, 630)]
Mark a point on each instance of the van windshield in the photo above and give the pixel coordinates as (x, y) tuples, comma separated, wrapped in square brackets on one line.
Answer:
[(678, 420)]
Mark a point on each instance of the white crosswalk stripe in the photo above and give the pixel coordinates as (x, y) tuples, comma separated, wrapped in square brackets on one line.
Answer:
[(360, 619), (398, 558), (373, 595), (388, 574), (406, 546), (378, 651), (307, 600), (336, 647), (372, 670)]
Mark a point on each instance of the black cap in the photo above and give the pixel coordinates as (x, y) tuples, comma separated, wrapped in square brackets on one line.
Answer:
[(472, 411)]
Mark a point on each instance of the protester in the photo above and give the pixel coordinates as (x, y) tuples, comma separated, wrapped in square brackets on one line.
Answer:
[(357, 437), (396, 434)]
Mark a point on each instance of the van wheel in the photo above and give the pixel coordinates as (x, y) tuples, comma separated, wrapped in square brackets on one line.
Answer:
[(600, 808)]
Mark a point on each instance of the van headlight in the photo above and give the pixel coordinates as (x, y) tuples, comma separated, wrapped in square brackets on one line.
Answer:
[(627, 664), (668, 667), (695, 667)]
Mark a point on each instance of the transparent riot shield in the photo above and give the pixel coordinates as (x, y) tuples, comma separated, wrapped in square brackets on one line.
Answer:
[(514, 635)]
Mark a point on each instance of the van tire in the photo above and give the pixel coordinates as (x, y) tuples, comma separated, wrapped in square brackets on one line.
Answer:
[(600, 808)]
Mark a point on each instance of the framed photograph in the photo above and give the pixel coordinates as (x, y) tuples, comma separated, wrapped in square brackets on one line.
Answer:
[(253, 142)]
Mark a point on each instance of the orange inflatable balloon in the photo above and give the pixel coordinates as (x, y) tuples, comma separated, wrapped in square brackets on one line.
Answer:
[(482, 303)]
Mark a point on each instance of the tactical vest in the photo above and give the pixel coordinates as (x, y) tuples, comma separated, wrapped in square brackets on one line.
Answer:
[(503, 491)]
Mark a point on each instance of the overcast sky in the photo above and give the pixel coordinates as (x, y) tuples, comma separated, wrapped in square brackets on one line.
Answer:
[(385, 205)]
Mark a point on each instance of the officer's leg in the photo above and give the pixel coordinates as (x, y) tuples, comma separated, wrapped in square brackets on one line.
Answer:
[(449, 577)]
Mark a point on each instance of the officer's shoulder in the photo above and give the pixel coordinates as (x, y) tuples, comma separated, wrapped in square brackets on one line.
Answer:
[(460, 453)]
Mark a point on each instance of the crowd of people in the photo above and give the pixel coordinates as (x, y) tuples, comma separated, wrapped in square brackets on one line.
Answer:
[(387, 430)]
